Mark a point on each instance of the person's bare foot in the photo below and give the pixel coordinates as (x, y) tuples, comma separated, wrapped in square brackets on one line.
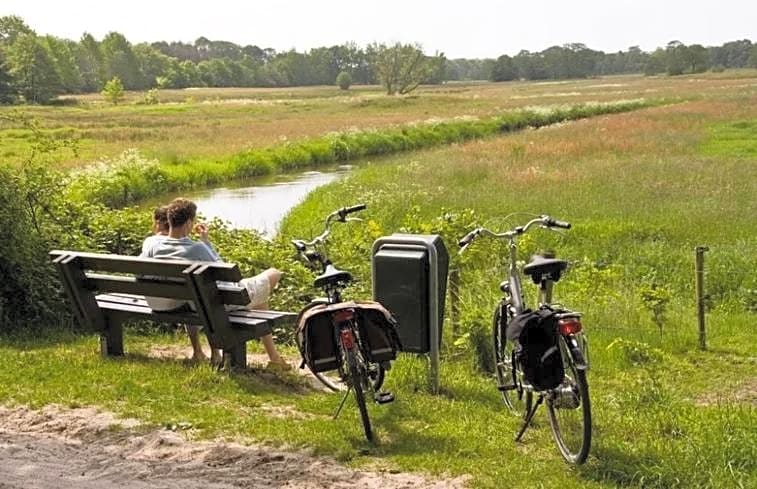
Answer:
[(198, 357), (279, 365)]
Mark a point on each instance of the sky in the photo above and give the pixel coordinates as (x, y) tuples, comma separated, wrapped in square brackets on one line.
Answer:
[(459, 28)]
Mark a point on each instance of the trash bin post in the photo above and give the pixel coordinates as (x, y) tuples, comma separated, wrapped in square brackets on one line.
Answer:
[(400, 244)]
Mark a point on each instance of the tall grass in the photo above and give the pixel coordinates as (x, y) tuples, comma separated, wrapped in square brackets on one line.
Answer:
[(119, 182)]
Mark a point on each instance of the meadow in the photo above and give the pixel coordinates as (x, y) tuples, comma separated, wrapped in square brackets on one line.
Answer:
[(211, 124), (642, 189)]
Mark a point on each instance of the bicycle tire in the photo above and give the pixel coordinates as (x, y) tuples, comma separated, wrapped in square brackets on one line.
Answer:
[(357, 380), (571, 426), (519, 403), (336, 384)]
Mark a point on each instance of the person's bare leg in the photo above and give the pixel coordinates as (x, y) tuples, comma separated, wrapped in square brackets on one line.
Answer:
[(275, 358), (216, 355), (194, 338), (268, 344)]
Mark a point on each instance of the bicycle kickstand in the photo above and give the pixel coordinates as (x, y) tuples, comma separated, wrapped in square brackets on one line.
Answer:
[(341, 404), (529, 417)]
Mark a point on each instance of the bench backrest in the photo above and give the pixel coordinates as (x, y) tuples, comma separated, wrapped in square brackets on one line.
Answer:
[(85, 275)]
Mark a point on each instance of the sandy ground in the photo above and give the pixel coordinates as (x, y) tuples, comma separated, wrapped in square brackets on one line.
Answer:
[(84, 448), (87, 449)]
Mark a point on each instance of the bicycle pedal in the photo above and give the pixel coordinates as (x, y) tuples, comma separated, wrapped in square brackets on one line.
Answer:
[(383, 397)]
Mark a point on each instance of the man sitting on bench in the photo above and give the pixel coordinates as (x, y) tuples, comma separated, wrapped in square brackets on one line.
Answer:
[(178, 245)]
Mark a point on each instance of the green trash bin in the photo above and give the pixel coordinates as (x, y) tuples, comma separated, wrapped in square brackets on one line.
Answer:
[(409, 274)]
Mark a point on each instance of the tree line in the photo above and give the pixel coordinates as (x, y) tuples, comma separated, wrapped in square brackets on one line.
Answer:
[(36, 68), (578, 61)]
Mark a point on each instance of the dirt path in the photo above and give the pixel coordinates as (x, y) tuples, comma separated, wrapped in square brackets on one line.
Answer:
[(87, 449)]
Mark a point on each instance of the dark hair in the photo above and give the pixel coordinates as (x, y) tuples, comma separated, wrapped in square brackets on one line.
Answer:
[(180, 211), (160, 216)]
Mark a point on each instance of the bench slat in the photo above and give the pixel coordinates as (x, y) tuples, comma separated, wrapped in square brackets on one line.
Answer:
[(236, 316), (138, 306), (155, 287), (137, 265), (141, 286)]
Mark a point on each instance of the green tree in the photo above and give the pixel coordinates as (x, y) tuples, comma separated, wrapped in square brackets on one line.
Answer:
[(752, 60), (7, 92), (63, 53), (503, 69), (12, 27), (676, 56), (119, 60), (89, 58), (152, 64), (33, 69), (697, 58), (344, 80), (436, 69), (656, 63), (113, 90), (401, 67)]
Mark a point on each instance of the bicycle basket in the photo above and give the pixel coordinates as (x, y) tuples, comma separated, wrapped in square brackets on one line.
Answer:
[(538, 353)]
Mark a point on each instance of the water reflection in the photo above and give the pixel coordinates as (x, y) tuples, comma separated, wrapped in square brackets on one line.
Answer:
[(261, 206)]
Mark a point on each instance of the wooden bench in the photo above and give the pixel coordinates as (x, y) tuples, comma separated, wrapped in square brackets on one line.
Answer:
[(105, 291)]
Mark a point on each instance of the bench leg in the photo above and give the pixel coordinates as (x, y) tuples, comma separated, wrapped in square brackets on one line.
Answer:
[(236, 357), (112, 340)]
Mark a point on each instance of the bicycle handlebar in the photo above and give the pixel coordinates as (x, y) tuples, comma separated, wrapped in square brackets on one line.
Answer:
[(338, 215), (551, 222), (349, 210), (468, 237), (544, 220)]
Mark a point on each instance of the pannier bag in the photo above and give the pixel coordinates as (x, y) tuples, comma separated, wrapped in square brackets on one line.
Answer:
[(537, 351), (317, 335)]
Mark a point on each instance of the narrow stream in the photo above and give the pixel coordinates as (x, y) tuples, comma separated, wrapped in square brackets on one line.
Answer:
[(261, 204)]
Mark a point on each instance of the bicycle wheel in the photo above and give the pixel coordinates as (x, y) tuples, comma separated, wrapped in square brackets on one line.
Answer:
[(330, 380), (357, 380), (517, 401), (570, 412)]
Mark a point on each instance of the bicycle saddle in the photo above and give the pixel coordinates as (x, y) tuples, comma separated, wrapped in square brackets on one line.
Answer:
[(332, 276), (541, 267)]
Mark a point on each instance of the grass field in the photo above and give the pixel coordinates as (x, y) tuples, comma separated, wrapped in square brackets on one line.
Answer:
[(642, 189), (216, 123)]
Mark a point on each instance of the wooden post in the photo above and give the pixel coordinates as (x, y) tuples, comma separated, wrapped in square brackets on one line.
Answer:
[(699, 273), (454, 300)]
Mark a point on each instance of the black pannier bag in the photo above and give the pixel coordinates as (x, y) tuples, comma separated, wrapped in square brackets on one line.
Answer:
[(317, 340), (538, 350)]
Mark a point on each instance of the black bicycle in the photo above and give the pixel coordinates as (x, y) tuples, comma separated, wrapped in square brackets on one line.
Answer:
[(356, 340), (557, 372)]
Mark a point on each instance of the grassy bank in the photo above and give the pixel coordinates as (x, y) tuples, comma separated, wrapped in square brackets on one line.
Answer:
[(131, 178)]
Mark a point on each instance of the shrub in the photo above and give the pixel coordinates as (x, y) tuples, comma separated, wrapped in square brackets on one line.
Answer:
[(119, 181), (113, 91), (151, 97), (344, 80)]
